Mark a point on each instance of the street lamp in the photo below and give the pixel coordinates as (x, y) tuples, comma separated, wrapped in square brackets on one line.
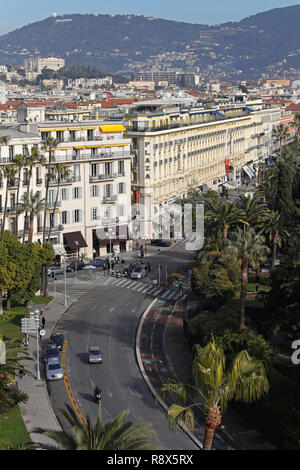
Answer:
[(36, 317), (110, 234)]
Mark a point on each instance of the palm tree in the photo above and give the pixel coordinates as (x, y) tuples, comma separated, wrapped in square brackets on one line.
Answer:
[(272, 226), (281, 133), (269, 186), (19, 161), (32, 158), (50, 145), (15, 353), (62, 173), (214, 386), (223, 214), (9, 172), (115, 435), (251, 210), (297, 124), (4, 139), (249, 248), (33, 205)]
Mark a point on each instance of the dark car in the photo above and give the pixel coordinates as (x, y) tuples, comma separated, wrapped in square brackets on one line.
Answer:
[(98, 262), (57, 339), (75, 266), (51, 352), (160, 242)]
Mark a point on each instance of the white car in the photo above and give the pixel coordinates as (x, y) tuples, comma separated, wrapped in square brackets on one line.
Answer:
[(54, 369), (139, 272)]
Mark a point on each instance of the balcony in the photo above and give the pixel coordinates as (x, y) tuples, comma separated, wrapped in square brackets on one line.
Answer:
[(55, 228), (103, 177), (72, 179), (88, 156), (108, 199)]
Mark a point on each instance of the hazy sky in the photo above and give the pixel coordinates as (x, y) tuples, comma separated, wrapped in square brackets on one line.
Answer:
[(17, 13)]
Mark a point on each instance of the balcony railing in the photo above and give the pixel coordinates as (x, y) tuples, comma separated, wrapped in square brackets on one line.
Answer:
[(103, 177), (55, 228), (88, 156), (112, 198), (72, 179)]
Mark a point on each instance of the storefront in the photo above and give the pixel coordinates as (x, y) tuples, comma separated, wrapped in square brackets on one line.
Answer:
[(73, 242), (117, 241)]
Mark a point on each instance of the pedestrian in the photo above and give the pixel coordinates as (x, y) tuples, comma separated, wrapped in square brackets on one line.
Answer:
[(21, 373), (104, 269), (123, 262), (149, 266), (43, 321), (94, 254)]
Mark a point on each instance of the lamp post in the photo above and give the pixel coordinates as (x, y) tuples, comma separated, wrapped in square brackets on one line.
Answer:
[(110, 233), (36, 316)]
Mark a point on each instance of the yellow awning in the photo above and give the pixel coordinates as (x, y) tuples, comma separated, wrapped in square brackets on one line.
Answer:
[(112, 128)]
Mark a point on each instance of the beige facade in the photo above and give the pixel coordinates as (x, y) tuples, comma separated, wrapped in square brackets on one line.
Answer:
[(95, 195), (176, 152)]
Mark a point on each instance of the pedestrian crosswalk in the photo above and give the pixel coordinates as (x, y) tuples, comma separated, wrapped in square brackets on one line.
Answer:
[(142, 287)]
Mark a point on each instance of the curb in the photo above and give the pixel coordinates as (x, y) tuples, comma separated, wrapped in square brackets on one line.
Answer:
[(145, 377)]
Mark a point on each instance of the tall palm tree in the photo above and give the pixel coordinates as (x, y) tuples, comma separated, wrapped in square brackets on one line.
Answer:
[(62, 173), (223, 214), (4, 139), (19, 161), (214, 386), (15, 353), (33, 157), (269, 186), (10, 173), (251, 211), (297, 124), (249, 248), (115, 435), (272, 225), (50, 145), (33, 205), (281, 133)]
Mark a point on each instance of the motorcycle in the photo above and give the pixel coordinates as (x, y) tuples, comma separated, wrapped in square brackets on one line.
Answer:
[(98, 396)]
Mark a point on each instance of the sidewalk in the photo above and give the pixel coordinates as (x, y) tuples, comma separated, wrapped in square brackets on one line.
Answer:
[(38, 412)]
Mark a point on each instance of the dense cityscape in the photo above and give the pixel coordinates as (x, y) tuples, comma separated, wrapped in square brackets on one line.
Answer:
[(150, 250)]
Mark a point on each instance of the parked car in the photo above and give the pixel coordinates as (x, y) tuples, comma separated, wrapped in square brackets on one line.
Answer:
[(95, 355), (75, 266), (54, 270), (138, 272), (54, 369), (51, 352), (57, 339), (160, 242), (98, 262)]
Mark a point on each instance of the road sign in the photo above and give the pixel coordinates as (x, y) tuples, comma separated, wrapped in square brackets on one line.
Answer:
[(28, 325), (42, 332)]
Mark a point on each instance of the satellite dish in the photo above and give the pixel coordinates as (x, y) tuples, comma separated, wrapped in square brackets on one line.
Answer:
[(54, 15)]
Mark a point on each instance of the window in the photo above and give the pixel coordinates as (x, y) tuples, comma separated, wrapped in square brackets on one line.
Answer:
[(121, 210), (94, 213), (121, 188), (72, 135), (94, 169), (11, 152), (121, 168), (77, 193), (90, 134), (77, 215), (76, 172), (64, 194), (24, 150), (65, 217), (107, 168), (94, 190)]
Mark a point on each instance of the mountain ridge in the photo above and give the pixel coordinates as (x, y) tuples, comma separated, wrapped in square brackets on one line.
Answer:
[(118, 43)]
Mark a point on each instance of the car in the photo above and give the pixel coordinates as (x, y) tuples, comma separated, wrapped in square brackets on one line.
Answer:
[(161, 242), (54, 270), (98, 262), (75, 266), (95, 355), (138, 272), (54, 369), (51, 352), (57, 339)]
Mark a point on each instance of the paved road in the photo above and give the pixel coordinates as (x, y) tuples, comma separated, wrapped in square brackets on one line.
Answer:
[(108, 315)]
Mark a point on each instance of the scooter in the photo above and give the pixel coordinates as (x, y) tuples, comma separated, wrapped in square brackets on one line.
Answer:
[(98, 396)]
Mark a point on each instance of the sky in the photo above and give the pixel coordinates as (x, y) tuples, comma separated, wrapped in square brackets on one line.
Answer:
[(18, 13)]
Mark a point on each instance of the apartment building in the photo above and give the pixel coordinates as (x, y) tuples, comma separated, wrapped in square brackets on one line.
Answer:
[(92, 212), (178, 151)]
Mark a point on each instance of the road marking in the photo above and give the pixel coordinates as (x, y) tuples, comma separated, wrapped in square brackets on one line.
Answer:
[(120, 283), (147, 288), (140, 288), (157, 291), (136, 287)]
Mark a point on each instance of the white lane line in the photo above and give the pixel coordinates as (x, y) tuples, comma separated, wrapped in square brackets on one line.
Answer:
[(140, 288), (136, 287), (127, 282), (108, 281), (152, 290), (122, 282), (130, 285), (147, 288), (166, 295), (157, 291)]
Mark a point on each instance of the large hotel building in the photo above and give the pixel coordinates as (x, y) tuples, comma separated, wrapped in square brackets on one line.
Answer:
[(92, 212), (176, 152)]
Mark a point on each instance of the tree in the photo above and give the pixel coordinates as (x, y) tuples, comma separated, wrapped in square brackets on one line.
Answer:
[(33, 205), (4, 139), (9, 172), (214, 386), (249, 248), (281, 133), (50, 145), (297, 124), (115, 435), (15, 353), (62, 173), (19, 161), (223, 214), (251, 211), (33, 157), (272, 225)]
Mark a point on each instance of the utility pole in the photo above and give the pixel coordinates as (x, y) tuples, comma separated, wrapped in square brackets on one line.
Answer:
[(159, 268)]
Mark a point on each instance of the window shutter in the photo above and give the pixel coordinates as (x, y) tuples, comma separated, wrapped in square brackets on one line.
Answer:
[(73, 216), (68, 217), (73, 193), (80, 192), (91, 191), (80, 215)]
